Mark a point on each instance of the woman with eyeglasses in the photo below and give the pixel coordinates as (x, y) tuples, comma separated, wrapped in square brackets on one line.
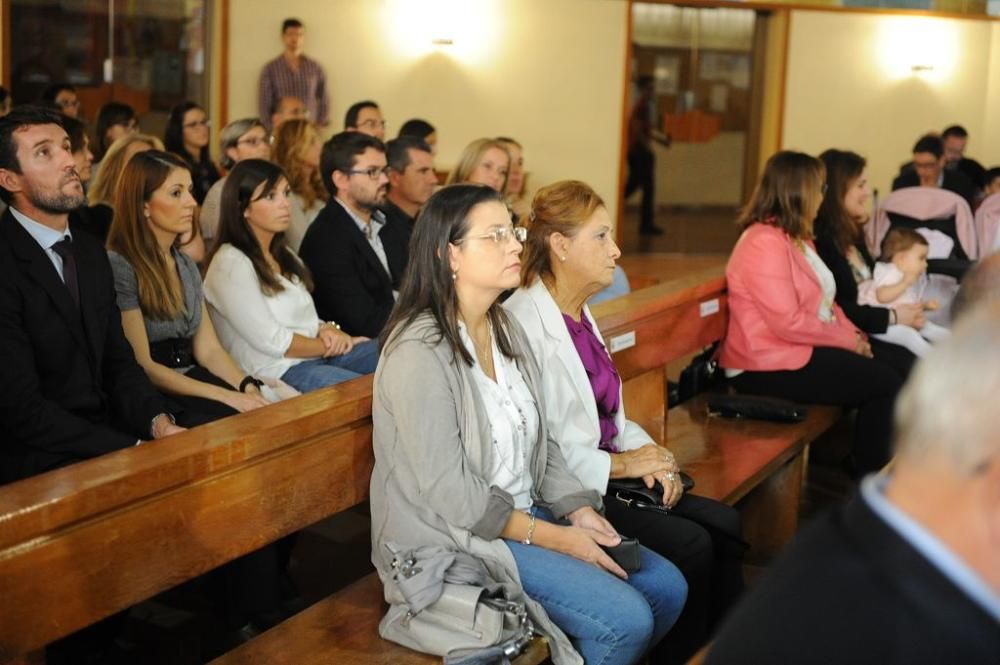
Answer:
[(259, 290), (297, 146), (114, 121), (241, 139), (187, 135), (787, 336), (464, 460)]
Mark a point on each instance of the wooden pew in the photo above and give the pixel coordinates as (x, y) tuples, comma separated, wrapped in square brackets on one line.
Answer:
[(758, 466), (81, 543)]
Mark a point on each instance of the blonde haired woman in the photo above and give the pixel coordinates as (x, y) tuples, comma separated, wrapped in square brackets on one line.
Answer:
[(483, 162), (297, 147), (101, 188)]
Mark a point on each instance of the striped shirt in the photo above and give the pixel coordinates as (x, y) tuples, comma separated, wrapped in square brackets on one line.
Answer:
[(277, 80)]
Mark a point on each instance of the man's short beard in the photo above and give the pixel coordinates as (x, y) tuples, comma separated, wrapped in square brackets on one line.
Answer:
[(57, 203)]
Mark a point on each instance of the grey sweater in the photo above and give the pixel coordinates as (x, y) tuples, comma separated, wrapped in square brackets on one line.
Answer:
[(432, 443)]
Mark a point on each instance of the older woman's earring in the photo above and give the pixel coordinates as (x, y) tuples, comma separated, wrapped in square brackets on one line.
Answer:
[(562, 258), (454, 275)]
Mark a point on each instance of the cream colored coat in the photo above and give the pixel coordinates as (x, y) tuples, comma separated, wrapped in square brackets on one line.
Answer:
[(570, 407)]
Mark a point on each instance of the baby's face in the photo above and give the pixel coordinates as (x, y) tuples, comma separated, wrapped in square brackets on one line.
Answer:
[(912, 261)]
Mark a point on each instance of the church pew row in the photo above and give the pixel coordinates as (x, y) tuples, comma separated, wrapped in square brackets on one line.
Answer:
[(121, 528)]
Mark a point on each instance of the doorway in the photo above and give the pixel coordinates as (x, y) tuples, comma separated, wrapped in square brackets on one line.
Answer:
[(708, 70)]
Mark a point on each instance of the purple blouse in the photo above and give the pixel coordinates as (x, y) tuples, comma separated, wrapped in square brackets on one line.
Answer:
[(604, 379)]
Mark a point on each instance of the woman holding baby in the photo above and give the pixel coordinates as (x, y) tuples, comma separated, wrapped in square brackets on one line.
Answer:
[(787, 336), (840, 243)]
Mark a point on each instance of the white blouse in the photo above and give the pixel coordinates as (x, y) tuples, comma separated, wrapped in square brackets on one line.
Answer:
[(514, 422), (826, 282), (256, 329)]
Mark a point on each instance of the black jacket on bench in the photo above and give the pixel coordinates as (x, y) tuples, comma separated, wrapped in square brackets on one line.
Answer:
[(70, 388), (851, 590)]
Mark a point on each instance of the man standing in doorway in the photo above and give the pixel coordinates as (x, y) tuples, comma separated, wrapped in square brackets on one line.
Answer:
[(641, 160), (292, 74)]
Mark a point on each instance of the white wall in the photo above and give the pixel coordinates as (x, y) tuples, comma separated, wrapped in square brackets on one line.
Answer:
[(850, 85), (548, 73)]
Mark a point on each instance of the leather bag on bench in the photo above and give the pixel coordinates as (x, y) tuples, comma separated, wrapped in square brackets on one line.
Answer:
[(452, 609)]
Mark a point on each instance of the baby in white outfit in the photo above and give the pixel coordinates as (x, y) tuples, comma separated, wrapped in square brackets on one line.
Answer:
[(899, 278)]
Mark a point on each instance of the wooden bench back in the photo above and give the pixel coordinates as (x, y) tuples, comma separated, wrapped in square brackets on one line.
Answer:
[(81, 543)]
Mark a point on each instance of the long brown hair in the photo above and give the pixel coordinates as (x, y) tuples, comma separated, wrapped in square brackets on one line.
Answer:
[(428, 285), (792, 181), (291, 141), (562, 207), (131, 236), (843, 168), (234, 229)]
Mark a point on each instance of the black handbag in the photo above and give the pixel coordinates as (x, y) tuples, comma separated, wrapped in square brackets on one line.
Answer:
[(634, 493), (756, 408)]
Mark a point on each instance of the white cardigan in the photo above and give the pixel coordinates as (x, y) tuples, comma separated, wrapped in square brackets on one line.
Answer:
[(570, 407)]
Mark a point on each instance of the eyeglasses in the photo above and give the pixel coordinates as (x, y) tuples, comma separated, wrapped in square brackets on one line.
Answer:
[(500, 235), (254, 141), (373, 173), (197, 123), (69, 103), (372, 124)]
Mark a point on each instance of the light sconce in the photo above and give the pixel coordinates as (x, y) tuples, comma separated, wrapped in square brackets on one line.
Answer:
[(923, 47)]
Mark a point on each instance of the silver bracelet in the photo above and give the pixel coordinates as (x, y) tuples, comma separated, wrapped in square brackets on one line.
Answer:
[(531, 529), (152, 423)]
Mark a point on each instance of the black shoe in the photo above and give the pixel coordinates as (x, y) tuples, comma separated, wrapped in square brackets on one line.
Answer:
[(650, 231)]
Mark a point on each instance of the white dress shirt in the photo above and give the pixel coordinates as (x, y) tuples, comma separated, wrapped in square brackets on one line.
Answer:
[(45, 236)]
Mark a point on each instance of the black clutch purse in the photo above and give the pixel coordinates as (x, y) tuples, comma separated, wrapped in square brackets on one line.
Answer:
[(625, 554), (756, 408), (634, 493)]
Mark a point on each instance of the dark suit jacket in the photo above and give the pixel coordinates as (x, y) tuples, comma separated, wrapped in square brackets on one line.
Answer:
[(953, 182), (850, 590), (352, 287), (71, 388)]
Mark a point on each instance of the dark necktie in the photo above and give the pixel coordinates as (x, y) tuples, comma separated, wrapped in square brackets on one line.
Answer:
[(64, 248)]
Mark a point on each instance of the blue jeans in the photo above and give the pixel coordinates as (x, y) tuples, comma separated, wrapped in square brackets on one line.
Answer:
[(610, 621), (318, 373)]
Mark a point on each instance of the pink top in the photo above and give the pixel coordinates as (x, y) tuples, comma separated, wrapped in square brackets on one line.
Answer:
[(774, 297), (887, 274)]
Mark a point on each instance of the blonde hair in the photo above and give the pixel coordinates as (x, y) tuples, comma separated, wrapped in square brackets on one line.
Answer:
[(562, 207), (105, 181), (472, 156), (291, 140)]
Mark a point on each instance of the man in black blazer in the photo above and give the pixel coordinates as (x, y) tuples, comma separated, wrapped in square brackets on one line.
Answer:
[(929, 171), (908, 572), (356, 256), (71, 387)]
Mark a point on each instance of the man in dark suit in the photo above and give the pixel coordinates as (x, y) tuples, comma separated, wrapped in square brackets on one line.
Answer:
[(955, 138), (929, 171), (908, 572), (71, 387), (411, 178), (356, 256)]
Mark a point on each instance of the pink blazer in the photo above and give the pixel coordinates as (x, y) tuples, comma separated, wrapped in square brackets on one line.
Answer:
[(774, 299)]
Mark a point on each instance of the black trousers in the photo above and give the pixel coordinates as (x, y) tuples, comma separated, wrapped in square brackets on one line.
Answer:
[(702, 537), (641, 175), (842, 378), (193, 411), (899, 358)]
